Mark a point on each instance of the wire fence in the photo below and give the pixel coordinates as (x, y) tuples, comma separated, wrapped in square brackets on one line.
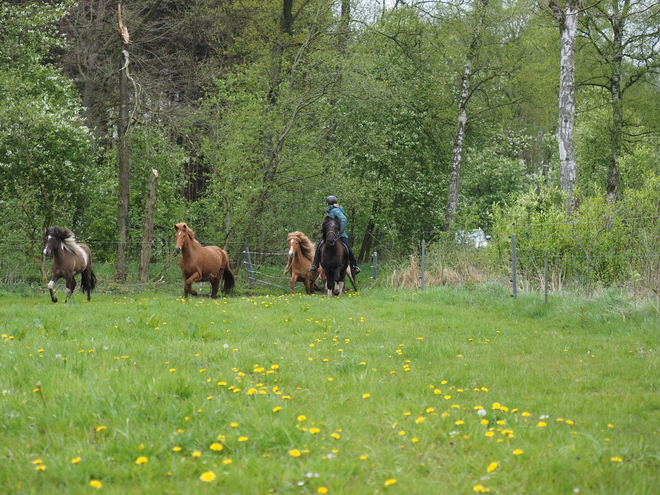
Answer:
[(545, 258)]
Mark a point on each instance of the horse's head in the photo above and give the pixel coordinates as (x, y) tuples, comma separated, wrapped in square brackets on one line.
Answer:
[(56, 238), (293, 240), (52, 240), (181, 234), (331, 229)]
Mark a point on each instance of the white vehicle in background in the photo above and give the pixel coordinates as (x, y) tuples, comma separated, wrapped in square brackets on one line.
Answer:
[(476, 237)]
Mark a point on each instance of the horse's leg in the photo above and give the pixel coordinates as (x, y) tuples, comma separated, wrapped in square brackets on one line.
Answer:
[(215, 283), (54, 278), (341, 288), (187, 285), (329, 286), (70, 286), (292, 283)]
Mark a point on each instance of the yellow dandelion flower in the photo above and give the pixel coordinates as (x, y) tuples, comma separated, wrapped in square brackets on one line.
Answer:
[(141, 460), (75, 460), (492, 467), (277, 409), (541, 424), (37, 461), (490, 434), (295, 453), (302, 417), (314, 431), (420, 419), (366, 396), (227, 461), (525, 414), (390, 482), (322, 489), (616, 459), (96, 484), (364, 457), (233, 425), (459, 422), (216, 446), (40, 467), (517, 452), (207, 477), (242, 439), (99, 429), (176, 449), (196, 453), (335, 435)]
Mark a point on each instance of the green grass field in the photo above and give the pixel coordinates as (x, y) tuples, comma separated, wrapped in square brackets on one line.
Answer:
[(451, 390)]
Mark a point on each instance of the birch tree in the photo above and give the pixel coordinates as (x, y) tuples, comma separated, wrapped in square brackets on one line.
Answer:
[(567, 19), (464, 98)]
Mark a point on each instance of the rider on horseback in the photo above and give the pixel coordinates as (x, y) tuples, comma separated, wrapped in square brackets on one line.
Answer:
[(333, 208)]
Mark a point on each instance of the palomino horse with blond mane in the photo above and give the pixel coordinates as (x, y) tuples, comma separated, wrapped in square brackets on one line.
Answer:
[(69, 259), (201, 263), (301, 254)]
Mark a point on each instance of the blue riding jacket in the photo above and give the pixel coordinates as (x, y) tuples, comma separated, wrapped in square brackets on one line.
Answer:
[(338, 211)]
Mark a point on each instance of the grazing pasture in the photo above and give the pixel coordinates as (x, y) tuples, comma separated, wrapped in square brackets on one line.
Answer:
[(450, 390)]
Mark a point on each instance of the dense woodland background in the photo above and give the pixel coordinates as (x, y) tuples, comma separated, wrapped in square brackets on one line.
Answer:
[(423, 117)]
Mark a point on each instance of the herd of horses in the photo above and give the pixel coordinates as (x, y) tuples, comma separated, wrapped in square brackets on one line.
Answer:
[(210, 263)]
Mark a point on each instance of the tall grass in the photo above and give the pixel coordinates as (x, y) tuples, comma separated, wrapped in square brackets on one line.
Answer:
[(450, 390)]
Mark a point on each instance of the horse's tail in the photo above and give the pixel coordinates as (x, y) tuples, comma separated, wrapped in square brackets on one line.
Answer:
[(88, 281), (228, 279)]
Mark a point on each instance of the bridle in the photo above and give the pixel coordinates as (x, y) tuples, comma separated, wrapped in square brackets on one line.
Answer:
[(332, 232)]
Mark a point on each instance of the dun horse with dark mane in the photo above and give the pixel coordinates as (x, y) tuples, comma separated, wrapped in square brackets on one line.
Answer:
[(201, 263), (69, 259), (301, 254)]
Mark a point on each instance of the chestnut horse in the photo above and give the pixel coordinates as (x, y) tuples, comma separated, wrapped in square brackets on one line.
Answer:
[(201, 263), (301, 254), (69, 259), (334, 258)]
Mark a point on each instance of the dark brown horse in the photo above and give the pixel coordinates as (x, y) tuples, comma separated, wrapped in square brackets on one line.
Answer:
[(69, 259), (301, 254), (201, 263), (334, 258)]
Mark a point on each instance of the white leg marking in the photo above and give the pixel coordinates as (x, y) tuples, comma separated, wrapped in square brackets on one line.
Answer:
[(51, 284)]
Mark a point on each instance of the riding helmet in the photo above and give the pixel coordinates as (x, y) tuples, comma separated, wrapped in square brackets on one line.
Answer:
[(331, 200)]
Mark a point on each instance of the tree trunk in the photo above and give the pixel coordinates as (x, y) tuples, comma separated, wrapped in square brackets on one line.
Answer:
[(121, 266), (568, 23), (457, 153), (617, 109), (148, 235)]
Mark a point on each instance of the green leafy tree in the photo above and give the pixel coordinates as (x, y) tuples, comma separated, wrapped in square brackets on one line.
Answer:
[(46, 154)]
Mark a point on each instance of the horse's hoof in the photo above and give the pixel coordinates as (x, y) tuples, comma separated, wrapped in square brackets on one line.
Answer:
[(54, 299)]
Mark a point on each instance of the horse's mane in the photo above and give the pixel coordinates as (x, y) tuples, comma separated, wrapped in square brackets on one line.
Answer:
[(306, 245), (66, 238)]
